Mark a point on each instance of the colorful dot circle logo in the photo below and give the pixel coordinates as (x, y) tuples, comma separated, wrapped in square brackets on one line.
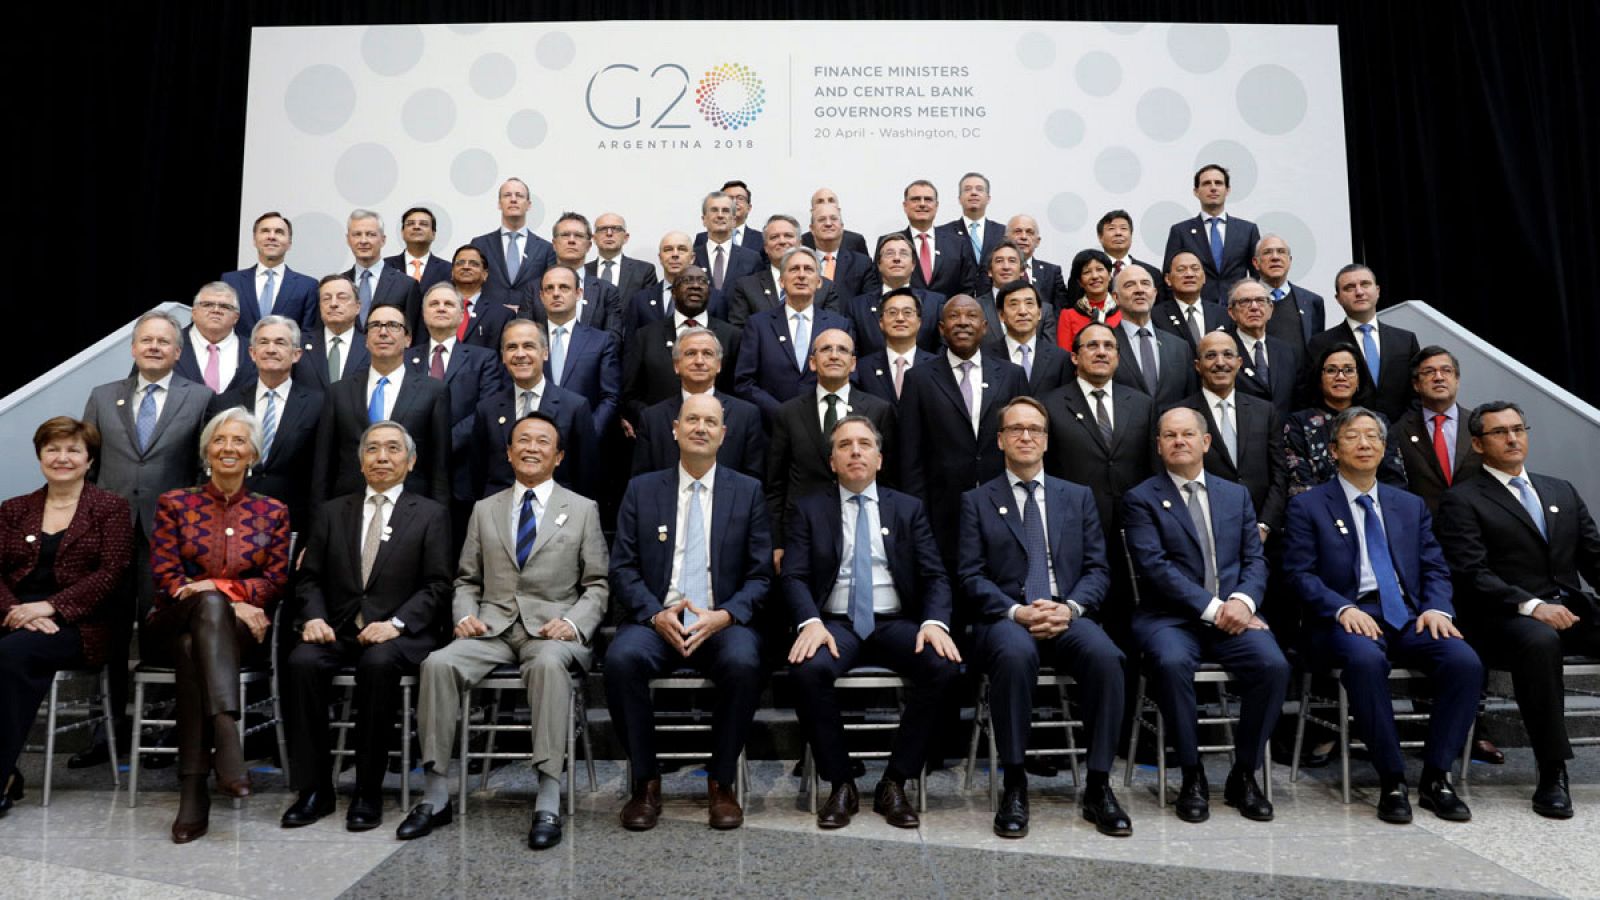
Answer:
[(730, 96)]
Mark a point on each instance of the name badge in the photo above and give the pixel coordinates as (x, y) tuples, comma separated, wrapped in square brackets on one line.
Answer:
[(661, 533)]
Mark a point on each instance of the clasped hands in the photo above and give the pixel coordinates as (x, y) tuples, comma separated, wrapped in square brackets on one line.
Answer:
[(686, 639), (32, 617)]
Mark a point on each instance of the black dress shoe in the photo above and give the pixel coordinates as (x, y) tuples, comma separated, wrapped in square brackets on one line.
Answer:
[(1011, 821), (546, 830), (1394, 807), (364, 815), (1551, 798), (1437, 795), (889, 801), (97, 753), (1194, 801), (1100, 806), (1242, 792), (843, 803), (422, 820), (312, 805)]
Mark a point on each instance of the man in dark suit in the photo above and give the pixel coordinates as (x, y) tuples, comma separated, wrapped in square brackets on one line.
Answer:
[(481, 320), (1517, 576), (583, 360), (1299, 320), (852, 273), (900, 317), (762, 291), (517, 257), (1187, 313), (893, 610), (1225, 244), (288, 409), (740, 231), (649, 362), (418, 228), (1196, 549), (1045, 277), (1007, 263), (648, 304), (599, 303), (1434, 441), (1386, 351), (372, 583), (697, 362), (949, 420), (1271, 365), (1115, 233), (850, 240), (944, 260), (773, 349), (801, 459), (376, 283), (1160, 365), (335, 346), (895, 261), (690, 566), (213, 353), (1033, 577), (386, 392), (982, 233), (1018, 340), (1378, 592), (1246, 433), (270, 286), (523, 352), (628, 275), (726, 259)]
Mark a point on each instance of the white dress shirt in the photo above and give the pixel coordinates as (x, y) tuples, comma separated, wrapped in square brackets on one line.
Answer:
[(1361, 339), (346, 339), (975, 381), (526, 238), (541, 501), (1526, 607), (392, 495), (1014, 348), (390, 391), (278, 272), (806, 315), (1209, 615), (449, 345), (165, 388), (1366, 582), (841, 410), (280, 402), (537, 392), (675, 586), (1020, 496), (227, 356), (884, 598), (1214, 403), (1222, 228), (1088, 397)]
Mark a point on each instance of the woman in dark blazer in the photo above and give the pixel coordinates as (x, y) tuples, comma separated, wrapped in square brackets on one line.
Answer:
[(1337, 380), (63, 552), (220, 556)]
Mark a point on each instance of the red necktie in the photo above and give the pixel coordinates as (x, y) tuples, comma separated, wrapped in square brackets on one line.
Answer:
[(927, 260), (1116, 268), (1440, 448), (466, 321), (436, 368)]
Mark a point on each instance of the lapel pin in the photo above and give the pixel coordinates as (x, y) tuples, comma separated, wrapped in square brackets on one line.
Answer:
[(1080, 417), (1339, 522), (669, 345), (1166, 504), (416, 360), (661, 533), (1555, 509), (502, 420), (1252, 374), (877, 371), (1414, 439), (1002, 510), (385, 538), (1193, 231), (228, 532), (986, 385), (308, 346), (783, 339), (30, 538), (561, 520), (1345, 532), (884, 532), (121, 402), (874, 309)]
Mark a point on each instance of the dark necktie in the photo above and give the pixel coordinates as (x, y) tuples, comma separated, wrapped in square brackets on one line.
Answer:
[(1147, 360), (436, 366), (527, 529), (1261, 363), (831, 417), (719, 269), (1038, 550), (1102, 415), (1392, 601), (1208, 553)]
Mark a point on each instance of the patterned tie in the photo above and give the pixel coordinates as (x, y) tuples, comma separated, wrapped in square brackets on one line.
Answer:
[(966, 386), (831, 417), (1261, 363), (1369, 349), (608, 271), (369, 546), (527, 528), (213, 374), (694, 554), (268, 293), (1208, 552), (899, 375), (1230, 432), (416, 270), (1102, 416), (366, 294), (1389, 596), (1116, 269), (1147, 360), (926, 259), (375, 405), (269, 424), (802, 340), (861, 572), (558, 353), (1216, 244), (1033, 543), (719, 269), (436, 366), (1441, 447), (1530, 503), (513, 256), (145, 424)]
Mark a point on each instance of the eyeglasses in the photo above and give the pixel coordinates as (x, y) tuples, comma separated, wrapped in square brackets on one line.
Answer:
[(611, 229), (210, 305), (899, 312), (1033, 431), (396, 327), (468, 264), (1252, 301), (1346, 371), (1510, 431), (1448, 371)]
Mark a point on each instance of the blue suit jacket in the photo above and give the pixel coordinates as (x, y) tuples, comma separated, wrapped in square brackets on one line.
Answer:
[(854, 273), (739, 544), (862, 311), (472, 374), (484, 326), (189, 365), (993, 561), (601, 308), (435, 271), (753, 240), (874, 375), (1321, 556), (1239, 240), (955, 269), (744, 441), (1166, 549), (492, 421), (537, 256), (741, 262), (593, 370), (765, 373), (295, 298), (816, 544)]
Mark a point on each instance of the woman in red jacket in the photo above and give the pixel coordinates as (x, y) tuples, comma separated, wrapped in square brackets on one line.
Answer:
[(1091, 271)]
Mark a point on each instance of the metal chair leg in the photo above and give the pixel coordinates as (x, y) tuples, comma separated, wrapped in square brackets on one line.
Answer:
[(1133, 733), (466, 752), (346, 714), (994, 759), (136, 743), (111, 725), (492, 720), (50, 737), (808, 776), (1161, 759), (1300, 727), (979, 708), (572, 753), (1072, 736), (1344, 742), (405, 747)]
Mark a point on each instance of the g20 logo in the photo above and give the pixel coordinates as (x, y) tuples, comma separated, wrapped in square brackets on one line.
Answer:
[(729, 96)]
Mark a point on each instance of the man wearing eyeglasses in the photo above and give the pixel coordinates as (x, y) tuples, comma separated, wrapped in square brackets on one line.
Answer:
[(481, 323), (1434, 441), (212, 352), (1517, 543), (1270, 364), (628, 275), (599, 303)]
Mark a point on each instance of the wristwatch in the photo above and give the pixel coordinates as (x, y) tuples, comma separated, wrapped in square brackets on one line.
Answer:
[(398, 625)]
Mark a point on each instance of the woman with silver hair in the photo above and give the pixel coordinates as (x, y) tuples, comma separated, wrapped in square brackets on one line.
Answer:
[(220, 556)]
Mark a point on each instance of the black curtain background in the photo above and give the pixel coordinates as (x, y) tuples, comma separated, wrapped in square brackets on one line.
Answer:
[(1473, 134)]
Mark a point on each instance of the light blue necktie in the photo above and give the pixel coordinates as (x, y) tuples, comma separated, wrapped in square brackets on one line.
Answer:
[(1530, 503), (1393, 603), (1369, 349), (694, 554), (1027, 360), (558, 353), (802, 341), (1277, 294), (366, 295), (269, 424), (861, 572), (1216, 243), (976, 237), (375, 405), (1208, 549), (268, 293), (146, 422), (513, 257)]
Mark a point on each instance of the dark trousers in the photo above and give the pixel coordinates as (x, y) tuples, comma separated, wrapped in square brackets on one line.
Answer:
[(1173, 653), (1453, 671), (890, 645), (1011, 657), (29, 661), (307, 687), (205, 642), (1531, 651), (731, 658)]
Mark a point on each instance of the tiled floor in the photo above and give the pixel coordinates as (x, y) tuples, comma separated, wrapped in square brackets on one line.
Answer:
[(88, 844)]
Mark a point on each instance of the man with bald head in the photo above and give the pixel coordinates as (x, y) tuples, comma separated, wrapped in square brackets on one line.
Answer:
[(852, 273), (648, 366), (1299, 320), (628, 275), (849, 240), (1045, 277), (1269, 365), (697, 366), (675, 252), (771, 367), (1157, 364), (1189, 314)]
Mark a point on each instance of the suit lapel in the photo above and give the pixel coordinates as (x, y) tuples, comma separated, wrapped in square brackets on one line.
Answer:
[(555, 516), (946, 379), (128, 403), (721, 512), (1503, 495), (1175, 505), (833, 538), (667, 523), (349, 517), (1338, 511), (1004, 501), (1055, 515), (407, 397), (1217, 445), (499, 513), (178, 395), (1127, 351), (1078, 405), (400, 519), (812, 424)]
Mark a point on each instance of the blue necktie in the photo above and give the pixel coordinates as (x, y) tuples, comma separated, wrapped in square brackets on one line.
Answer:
[(1033, 542), (1369, 349), (1394, 604), (527, 529), (694, 554), (513, 258), (558, 354), (977, 242), (802, 341), (1530, 503), (1277, 294), (1216, 243), (375, 405), (366, 295), (145, 424), (267, 293), (269, 424), (861, 572)]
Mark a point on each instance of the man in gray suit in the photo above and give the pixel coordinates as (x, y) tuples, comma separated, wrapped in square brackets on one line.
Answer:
[(531, 590)]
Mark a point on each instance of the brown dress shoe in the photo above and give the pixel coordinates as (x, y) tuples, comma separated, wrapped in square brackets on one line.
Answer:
[(843, 803), (889, 801), (725, 811), (643, 809)]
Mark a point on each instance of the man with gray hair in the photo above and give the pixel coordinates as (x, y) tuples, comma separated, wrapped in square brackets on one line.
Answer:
[(719, 254), (649, 362), (524, 347), (776, 344), (1299, 320), (213, 353), (762, 290), (697, 363), (375, 281)]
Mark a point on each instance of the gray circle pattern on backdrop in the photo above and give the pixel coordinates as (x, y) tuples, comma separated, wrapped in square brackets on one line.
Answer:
[(1243, 170), (535, 212), (555, 50), (1163, 114), (320, 99), (1272, 99), (1098, 73), (1117, 169), (527, 128), (1035, 50), (473, 172), (492, 75), (366, 174), (443, 227), (1067, 212), (391, 49), (1198, 48), (1064, 128), (319, 244), (1124, 27), (1297, 234), (428, 115), (1151, 229)]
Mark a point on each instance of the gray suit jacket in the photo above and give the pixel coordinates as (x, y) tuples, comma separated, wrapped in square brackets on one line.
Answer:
[(565, 577), (171, 461)]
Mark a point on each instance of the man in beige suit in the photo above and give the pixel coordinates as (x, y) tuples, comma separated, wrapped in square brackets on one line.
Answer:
[(532, 590)]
